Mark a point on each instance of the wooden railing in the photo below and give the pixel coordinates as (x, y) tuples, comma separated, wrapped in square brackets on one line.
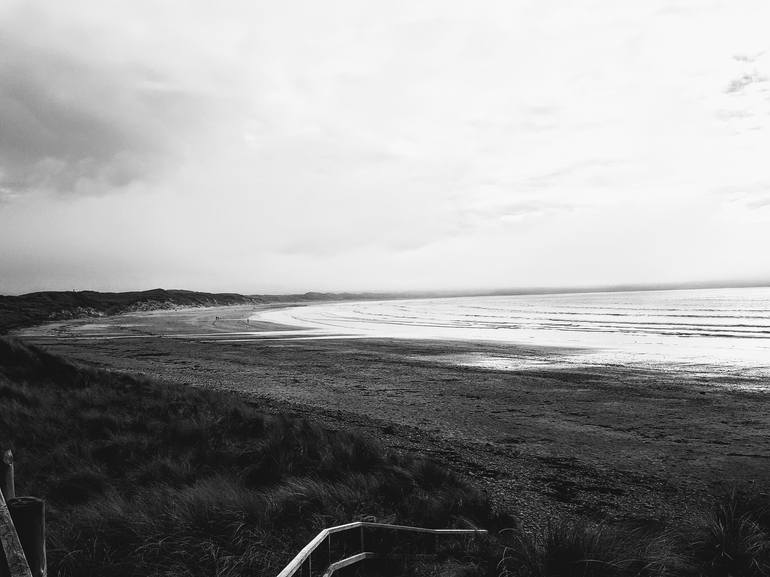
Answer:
[(302, 564)]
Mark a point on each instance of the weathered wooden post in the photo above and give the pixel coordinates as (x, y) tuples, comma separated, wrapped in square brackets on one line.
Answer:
[(7, 486), (22, 527), (13, 563), (28, 514)]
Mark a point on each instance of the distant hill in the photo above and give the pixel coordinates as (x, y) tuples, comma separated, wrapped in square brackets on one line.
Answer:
[(346, 296), (35, 308)]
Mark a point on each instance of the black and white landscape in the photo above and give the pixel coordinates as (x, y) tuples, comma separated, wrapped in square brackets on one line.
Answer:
[(498, 267)]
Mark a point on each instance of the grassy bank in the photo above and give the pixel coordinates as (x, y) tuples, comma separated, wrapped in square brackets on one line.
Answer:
[(144, 479), (732, 539)]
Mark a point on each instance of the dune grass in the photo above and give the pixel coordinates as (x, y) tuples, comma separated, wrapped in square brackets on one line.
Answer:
[(567, 548), (146, 479), (731, 539), (734, 538)]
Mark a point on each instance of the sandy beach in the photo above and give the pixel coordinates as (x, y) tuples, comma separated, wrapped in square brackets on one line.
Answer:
[(615, 444)]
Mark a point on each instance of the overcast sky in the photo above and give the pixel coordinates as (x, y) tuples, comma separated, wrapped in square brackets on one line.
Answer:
[(263, 146)]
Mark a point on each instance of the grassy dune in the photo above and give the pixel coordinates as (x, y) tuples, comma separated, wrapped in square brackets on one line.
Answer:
[(35, 308), (144, 479)]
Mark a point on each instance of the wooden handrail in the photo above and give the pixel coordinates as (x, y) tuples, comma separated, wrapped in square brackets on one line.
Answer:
[(308, 549)]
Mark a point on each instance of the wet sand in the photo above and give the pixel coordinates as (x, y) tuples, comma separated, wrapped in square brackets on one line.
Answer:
[(598, 442)]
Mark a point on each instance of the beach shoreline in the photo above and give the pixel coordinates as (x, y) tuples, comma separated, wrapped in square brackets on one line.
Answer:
[(593, 442)]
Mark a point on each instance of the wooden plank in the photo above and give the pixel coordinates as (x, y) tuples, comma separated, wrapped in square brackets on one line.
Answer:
[(406, 528), (14, 554), (353, 559)]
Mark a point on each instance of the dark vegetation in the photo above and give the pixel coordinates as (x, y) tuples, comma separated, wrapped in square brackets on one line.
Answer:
[(36, 308), (146, 479), (731, 540)]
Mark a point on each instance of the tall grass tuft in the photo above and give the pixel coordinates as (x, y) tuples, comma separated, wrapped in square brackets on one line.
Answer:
[(735, 538), (571, 549)]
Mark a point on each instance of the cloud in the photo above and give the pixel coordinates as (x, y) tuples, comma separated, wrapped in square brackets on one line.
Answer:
[(745, 80), (748, 58), (292, 144), (583, 171), (54, 135), (76, 123), (760, 202), (7, 195), (745, 103), (749, 196), (748, 204)]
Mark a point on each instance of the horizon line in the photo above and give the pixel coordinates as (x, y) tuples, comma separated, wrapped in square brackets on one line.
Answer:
[(416, 293)]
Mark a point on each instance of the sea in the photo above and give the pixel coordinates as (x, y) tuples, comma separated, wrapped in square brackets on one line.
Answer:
[(697, 331)]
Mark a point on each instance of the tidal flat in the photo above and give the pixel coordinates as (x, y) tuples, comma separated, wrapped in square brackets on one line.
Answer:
[(603, 443)]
